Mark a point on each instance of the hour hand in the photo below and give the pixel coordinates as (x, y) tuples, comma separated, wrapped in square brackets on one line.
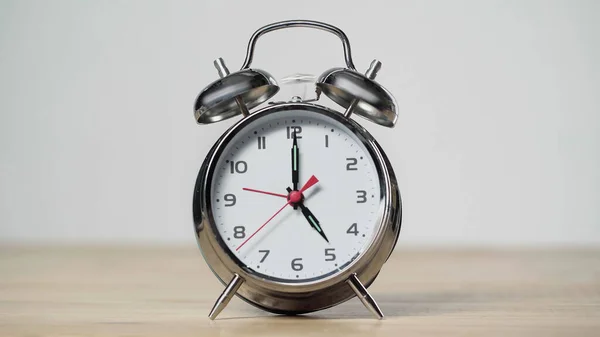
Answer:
[(314, 223)]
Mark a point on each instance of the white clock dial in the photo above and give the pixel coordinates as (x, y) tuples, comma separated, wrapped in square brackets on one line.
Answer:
[(344, 206)]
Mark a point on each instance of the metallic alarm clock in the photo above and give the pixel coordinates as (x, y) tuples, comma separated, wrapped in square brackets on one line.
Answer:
[(296, 207)]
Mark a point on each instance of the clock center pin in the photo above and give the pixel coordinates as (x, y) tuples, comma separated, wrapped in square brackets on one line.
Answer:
[(295, 197)]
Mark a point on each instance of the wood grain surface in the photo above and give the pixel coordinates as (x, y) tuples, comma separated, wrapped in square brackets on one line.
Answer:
[(168, 291)]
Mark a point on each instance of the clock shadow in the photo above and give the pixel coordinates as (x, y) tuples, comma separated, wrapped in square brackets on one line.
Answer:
[(265, 325), (430, 303), (313, 191), (409, 304), (402, 305)]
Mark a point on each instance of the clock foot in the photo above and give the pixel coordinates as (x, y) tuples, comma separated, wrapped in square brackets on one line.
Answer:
[(364, 296), (226, 296)]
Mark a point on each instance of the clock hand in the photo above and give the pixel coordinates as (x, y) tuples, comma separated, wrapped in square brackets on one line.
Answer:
[(264, 192), (263, 225), (295, 162), (309, 183), (312, 220), (276, 194), (294, 197)]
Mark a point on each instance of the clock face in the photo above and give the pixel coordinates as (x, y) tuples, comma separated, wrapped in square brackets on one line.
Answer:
[(295, 230)]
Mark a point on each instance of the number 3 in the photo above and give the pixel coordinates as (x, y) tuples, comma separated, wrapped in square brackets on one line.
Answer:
[(361, 197)]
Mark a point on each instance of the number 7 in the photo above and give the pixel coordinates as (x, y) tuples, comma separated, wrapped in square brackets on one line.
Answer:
[(266, 252)]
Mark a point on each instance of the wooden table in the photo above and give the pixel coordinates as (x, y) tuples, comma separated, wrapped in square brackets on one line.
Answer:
[(168, 291)]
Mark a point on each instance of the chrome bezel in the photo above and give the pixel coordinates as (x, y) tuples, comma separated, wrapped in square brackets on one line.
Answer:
[(294, 298)]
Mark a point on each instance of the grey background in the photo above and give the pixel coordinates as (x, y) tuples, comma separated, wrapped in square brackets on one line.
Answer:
[(497, 141)]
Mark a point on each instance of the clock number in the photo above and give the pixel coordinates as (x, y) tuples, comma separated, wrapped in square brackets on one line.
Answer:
[(266, 252), (351, 164), (326, 140), (239, 232), (294, 129), (262, 143), (353, 229), (361, 197), (238, 166), (329, 254), (296, 265), (229, 198)]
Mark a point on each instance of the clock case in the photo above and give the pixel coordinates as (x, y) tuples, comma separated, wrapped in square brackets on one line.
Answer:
[(237, 93)]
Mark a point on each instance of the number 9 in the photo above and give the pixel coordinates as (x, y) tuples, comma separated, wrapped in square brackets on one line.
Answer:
[(230, 198)]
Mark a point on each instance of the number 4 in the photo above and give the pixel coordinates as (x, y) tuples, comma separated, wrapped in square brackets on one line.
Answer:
[(353, 229)]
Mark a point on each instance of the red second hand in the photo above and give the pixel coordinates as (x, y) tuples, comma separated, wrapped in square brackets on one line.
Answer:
[(264, 192), (263, 225), (311, 181)]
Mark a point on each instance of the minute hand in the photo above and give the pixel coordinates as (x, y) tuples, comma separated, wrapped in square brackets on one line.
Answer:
[(312, 220), (295, 163)]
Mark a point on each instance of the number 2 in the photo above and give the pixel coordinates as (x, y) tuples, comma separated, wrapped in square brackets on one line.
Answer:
[(351, 166)]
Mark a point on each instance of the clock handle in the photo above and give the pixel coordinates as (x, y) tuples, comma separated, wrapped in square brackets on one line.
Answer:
[(299, 23)]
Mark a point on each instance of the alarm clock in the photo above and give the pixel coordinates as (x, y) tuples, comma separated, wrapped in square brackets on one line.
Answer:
[(296, 207)]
